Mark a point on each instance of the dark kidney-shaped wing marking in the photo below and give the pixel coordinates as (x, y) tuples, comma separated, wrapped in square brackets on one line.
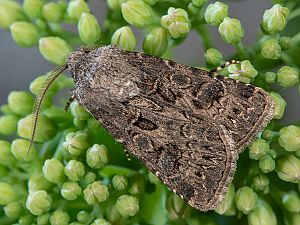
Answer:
[(182, 124)]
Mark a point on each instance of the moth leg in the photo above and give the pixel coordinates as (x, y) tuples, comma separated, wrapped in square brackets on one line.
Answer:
[(71, 99), (219, 68)]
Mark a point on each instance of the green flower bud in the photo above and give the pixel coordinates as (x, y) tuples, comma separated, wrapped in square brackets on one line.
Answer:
[(248, 70), (10, 12), (43, 219), (193, 10), (262, 215), (38, 182), (33, 8), (270, 77), (13, 209), (83, 216), (53, 171), (74, 170), (288, 168), (24, 34), (44, 132), (213, 56), (95, 193), (76, 8), (266, 164), (7, 193), (275, 19), (137, 13), (177, 208), (270, 49), (156, 42), (8, 124), (258, 149), (115, 4), (5, 109), (124, 38), (37, 84), (80, 124), (26, 220), (70, 190), (53, 12), (228, 201), (287, 76), (100, 222), (245, 199), (215, 13), (96, 156), (280, 105), (127, 205), (76, 143), (78, 111), (289, 138), (199, 3), (291, 202), (260, 182), (231, 30), (5, 153), (177, 22), (291, 218), (285, 43), (20, 102), (89, 177), (38, 202), (88, 28), (19, 149), (119, 182), (59, 217), (54, 49)]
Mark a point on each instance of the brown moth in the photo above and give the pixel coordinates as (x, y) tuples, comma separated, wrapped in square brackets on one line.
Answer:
[(185, 124)]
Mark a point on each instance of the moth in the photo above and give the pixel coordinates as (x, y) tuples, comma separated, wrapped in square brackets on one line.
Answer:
[(185, 124)]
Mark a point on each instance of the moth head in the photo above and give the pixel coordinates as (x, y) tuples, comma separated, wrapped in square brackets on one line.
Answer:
[(75, 57)]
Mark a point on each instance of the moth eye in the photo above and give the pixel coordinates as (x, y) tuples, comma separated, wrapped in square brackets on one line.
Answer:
[(145, 124)]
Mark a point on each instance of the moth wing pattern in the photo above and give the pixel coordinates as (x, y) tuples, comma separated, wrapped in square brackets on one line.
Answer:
[(181, 123)]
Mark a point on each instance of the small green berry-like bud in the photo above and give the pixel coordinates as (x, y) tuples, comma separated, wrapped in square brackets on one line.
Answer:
[(275, 19), (100, 222), (262, 214), (124, 38), (267, 164), (288, 168), (177, 22), (245, 199), (227, 202), (43, 219), (24, 34), (127, 205), (78, 111), (38, 182), (287, 76), (5, 153), (10, 12), (289, 138), (244, 70), (231, 30), (258, 149), (53, 12), (59, 217), (45, 128), (74, 170), (89, 177), (215, 13), (285, 43), (7, 193), (270, 77), (96, 156), (95, 193), (88, 28), (13, 209), (54, 49), (33, 8), (270, 49), (213, 56), (76, 143), (199, 3), (83, 216), (137, 13), (53, 171), (20, 102), (19, 149), (26, 220), (291, 202), (70, 190), (156, 42), (115, 4), (8, 124), (38, 202), (280, 105), (260, 182), (76, 8), (119, 182)]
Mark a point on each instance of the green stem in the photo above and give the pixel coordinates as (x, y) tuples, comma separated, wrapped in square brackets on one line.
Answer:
[(241, 51), (205, 36)]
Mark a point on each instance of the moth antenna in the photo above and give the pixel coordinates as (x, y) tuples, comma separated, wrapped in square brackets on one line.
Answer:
[(39, 100)]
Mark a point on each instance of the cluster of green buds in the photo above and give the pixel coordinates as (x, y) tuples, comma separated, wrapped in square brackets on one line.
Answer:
[(77, 174)]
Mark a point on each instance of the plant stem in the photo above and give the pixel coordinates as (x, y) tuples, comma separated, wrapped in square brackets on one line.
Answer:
[(241, 51), (205, 36)]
